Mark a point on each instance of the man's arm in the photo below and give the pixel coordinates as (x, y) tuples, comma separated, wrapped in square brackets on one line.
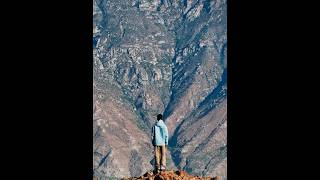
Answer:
[(152, 136), (166, 135)]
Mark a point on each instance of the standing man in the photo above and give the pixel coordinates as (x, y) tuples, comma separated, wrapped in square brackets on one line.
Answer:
[(160, 143)]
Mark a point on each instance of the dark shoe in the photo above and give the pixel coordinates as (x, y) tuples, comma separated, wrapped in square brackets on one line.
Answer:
[(156, 171), (163, 169)]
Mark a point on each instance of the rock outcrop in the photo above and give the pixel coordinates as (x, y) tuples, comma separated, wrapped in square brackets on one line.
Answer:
[(169, 175)]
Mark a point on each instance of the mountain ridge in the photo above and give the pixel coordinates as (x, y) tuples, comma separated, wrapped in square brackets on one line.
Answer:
[(159, 56)]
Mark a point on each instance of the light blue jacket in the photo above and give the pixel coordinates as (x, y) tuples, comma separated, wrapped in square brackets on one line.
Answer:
[(160, 135)]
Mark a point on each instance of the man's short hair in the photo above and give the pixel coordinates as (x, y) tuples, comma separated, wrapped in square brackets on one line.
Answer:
[(159, 116)]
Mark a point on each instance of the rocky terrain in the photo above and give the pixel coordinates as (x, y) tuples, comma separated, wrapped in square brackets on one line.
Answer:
[(159, 56), (169, 175)]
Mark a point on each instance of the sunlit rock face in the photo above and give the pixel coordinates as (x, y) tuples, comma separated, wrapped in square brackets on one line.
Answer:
[(159, 56)]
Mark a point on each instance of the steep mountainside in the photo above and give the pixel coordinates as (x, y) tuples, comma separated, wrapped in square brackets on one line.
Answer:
[(159, 56)]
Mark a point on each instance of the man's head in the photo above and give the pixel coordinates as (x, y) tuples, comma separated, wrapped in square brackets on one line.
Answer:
[(159, 116)]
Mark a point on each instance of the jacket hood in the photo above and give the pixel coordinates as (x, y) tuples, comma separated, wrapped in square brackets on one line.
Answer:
[(160, 123)]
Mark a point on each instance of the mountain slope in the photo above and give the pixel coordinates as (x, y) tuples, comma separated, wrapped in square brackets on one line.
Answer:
[(159, 56)]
